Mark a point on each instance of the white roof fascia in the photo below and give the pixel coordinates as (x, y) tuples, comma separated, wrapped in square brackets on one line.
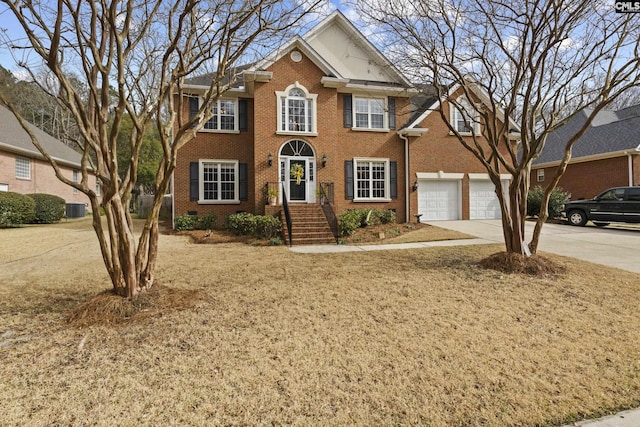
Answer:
[(300, 43), (202, 89), (593, 157), (378, 88), (333, 82), (348, 26), (485, 176)]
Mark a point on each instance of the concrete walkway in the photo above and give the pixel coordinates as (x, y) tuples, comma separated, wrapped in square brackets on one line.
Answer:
[(614, 246)]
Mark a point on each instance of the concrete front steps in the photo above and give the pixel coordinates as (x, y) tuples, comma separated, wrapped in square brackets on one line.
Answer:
[(309, 226)]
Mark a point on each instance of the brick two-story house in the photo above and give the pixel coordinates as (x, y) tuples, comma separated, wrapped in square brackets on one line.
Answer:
[(331, 106)]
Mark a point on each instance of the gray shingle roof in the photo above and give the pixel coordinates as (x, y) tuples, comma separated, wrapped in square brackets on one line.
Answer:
[(611, 131), (14, 138)]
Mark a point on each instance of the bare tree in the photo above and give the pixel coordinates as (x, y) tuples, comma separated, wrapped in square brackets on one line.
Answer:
[(133, 57), (538, 62)]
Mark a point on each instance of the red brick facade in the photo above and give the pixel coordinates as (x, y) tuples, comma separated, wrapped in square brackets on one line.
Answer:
[(584, 180)]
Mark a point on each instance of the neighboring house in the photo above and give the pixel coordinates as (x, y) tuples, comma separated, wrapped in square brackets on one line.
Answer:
[(607, 155), (24, 170), (330, 105)]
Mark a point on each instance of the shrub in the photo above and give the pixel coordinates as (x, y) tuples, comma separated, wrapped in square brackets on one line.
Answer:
[(49, 208), (241, 224), (267, 227), (186, 222), (556, 200), (16, 209), (207, 222), (353, 219)]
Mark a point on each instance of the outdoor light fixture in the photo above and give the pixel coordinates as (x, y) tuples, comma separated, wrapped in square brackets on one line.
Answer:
[(270, 159), (415, 186), (324, 160)]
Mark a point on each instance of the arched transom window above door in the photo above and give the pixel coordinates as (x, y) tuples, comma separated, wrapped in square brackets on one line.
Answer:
[(296, 111), (297, 148)]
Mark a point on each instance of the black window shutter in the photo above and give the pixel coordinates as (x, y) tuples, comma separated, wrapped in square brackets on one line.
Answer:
[(348, 179), (348, 113), (391, 102), (194, 174), (194, 106), (393, 179), (243, 123), (243, 181)]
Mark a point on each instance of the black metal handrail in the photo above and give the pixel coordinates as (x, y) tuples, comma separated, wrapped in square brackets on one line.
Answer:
[(326, 202), (287, 214)]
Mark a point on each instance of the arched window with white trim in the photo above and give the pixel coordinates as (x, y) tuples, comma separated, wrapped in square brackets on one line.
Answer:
[(296, 110)]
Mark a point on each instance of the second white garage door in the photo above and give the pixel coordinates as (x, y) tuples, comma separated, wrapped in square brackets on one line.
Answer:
[(483, 202), (438, 200)]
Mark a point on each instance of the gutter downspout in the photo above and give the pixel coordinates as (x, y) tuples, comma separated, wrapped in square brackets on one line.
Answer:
[(630, 162), (406, 176)]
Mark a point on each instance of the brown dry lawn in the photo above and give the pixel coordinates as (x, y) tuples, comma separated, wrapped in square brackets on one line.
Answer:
[(402, 337)]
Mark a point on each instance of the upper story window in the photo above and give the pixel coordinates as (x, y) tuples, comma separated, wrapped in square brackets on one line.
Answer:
[(296, 111), (464, 118), (225, 115), (23, 167), (540, 175), (369, 113)]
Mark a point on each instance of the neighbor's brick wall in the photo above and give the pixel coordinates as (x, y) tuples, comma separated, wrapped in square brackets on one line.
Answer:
[(588, 179), (43, 179), (438, 150)]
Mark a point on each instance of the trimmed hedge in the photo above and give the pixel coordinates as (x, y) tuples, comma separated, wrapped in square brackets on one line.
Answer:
[(49, 208), (194, 222), (556, 200), (16, 209), (260, 226), (353, 219)]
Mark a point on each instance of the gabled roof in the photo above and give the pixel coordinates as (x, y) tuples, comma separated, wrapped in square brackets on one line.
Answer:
[(432, 101), (356, 65), (13, 138), (610, 132)]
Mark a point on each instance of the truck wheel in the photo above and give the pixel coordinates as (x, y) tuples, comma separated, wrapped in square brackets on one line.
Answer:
[(577, 218)]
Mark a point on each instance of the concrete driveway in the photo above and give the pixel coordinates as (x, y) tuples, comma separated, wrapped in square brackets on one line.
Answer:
[(616, 246)]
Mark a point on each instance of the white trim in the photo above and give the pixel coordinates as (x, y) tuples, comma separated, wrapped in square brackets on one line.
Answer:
[(385, 113), (455, 115), (485, 176), (387, 180), (313, 97), (4, 187), (412, 132), (236, 117), (439, 175), (236, 195)]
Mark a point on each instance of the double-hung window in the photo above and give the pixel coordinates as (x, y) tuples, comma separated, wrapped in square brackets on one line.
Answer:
[(296, 110), (464, 118), (218, 181), (76, 179), (369, 113), (23, 167), (224, 116), (371, 179)]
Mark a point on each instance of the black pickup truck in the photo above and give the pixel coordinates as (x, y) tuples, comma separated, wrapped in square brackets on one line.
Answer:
[(621, 204)]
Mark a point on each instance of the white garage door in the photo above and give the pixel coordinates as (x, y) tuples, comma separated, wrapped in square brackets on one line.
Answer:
[(438, 200), (483, 202)]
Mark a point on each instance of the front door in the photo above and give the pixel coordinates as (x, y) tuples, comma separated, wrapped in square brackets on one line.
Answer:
[(297, 171), (298, 177)]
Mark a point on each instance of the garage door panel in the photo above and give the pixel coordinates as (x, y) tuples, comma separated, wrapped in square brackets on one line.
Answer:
[(483, 201), (438, 200)]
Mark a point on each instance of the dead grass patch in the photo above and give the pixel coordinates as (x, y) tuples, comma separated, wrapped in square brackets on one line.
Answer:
[(108, 308), (403, 337)]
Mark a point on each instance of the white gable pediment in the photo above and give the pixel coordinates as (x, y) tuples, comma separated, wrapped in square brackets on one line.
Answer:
[(341, 45)]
